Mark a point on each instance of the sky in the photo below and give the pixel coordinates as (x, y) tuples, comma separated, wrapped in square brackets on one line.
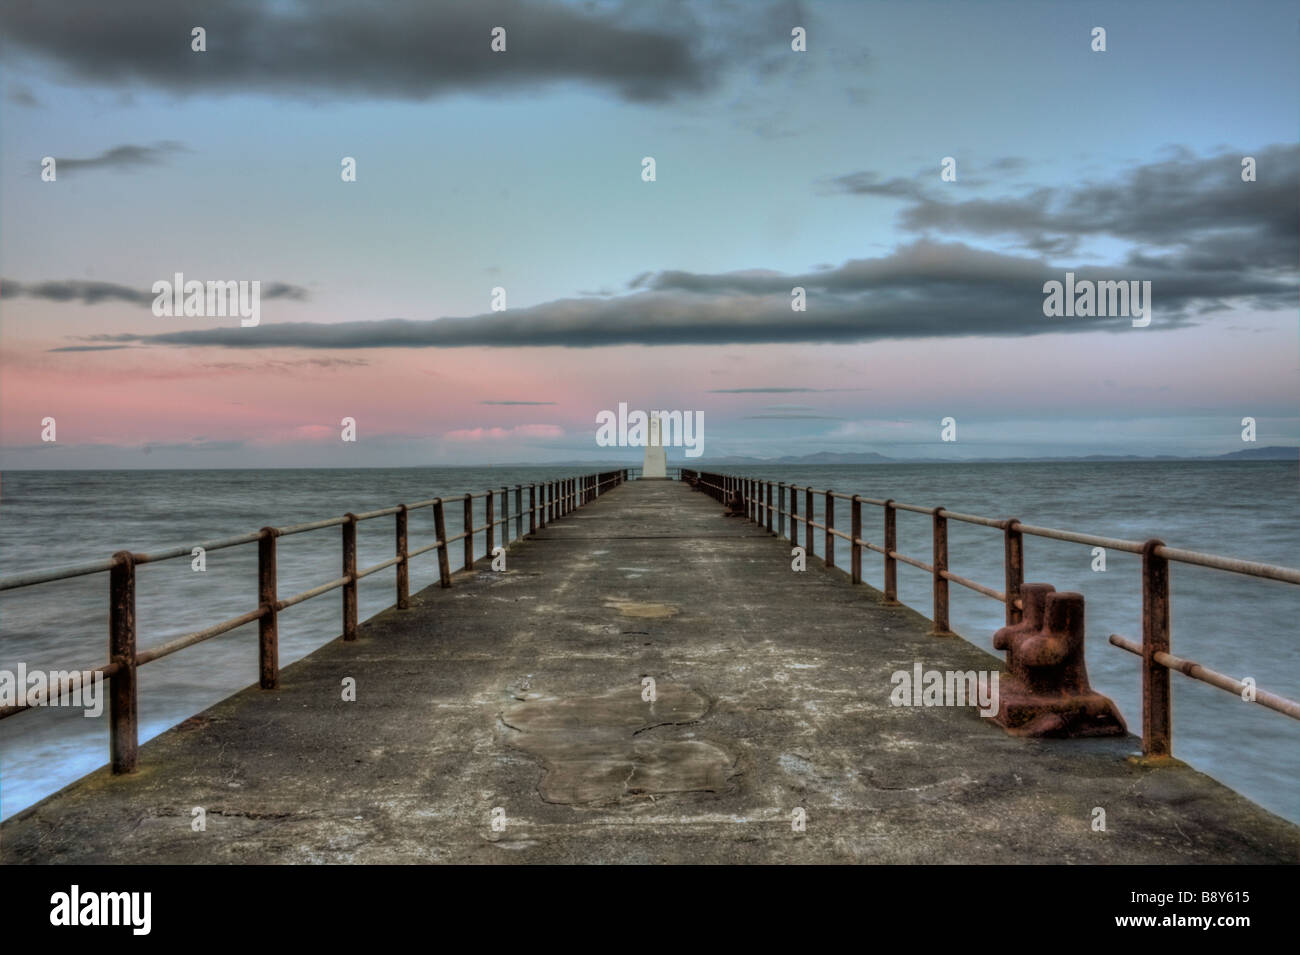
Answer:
[(522, 170)]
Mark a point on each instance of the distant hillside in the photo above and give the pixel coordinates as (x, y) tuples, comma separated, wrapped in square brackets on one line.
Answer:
[(1271, 453)]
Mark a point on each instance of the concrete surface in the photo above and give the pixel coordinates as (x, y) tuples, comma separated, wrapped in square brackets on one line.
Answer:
[(520, 697)]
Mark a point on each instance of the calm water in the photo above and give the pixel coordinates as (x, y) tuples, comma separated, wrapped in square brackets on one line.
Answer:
[(1240, 626)]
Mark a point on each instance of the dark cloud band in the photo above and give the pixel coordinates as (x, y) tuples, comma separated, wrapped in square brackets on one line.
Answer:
[(96, 293), (402, 49)]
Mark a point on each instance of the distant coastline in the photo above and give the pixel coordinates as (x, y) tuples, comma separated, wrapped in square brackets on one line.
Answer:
[(1270, 453)]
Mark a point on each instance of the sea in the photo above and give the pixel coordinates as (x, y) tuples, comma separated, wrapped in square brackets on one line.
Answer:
[(1241, 626)]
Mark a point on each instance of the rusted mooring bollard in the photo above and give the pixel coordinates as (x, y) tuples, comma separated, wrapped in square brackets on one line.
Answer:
[(1045, 689)]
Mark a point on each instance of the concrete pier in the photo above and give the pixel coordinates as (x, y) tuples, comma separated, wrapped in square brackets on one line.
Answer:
[(507, 719)]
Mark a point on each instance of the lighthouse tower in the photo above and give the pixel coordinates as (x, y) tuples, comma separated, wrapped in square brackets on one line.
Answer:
[(655, 465)]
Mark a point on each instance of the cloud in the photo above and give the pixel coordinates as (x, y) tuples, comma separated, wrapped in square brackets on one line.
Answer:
[(127, 156), (1205, 240), (198, 444), (398, 49), (503, 434), (96, 293), (871, 184), (923, 290), (924, 185), (758, 391), (790, 417), (1197, 208), (89, 348), (516, 402), (281, 366), (73, 290), (21, 95)]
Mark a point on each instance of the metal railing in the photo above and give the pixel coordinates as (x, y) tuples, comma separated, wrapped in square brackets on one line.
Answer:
[(755, 496), (674, 473), (547, 501)]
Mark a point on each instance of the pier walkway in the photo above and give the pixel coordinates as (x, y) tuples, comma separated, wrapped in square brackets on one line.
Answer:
[(502, 720)]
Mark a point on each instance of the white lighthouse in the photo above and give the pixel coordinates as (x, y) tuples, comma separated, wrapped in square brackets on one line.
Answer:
[(656, 464)]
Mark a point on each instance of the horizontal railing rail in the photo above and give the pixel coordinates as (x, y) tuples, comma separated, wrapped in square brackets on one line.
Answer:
[(673, 472), (547, 501), (755, 497)]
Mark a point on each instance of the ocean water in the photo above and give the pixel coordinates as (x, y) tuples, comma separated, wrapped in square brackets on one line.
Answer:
[(1238, 625)]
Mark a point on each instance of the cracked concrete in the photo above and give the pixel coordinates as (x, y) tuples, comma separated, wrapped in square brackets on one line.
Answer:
[(594, 751), (521, 691)]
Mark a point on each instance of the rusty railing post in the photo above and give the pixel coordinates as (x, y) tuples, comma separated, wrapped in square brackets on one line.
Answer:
[(1157, 731), (123, 715), (940, 565), (1014, 558), (505, 516), (268, 636), (468, 518), (490, 520), (769, 506), (532, 508), (829, 559), (808, 520), (794, 513), (855, 532), (780, 509), (891, 546), (440, 529), (519, 511), (350, 572), (404, 562)]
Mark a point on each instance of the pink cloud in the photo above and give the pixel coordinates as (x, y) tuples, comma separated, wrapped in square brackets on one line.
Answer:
[(501, 434)]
